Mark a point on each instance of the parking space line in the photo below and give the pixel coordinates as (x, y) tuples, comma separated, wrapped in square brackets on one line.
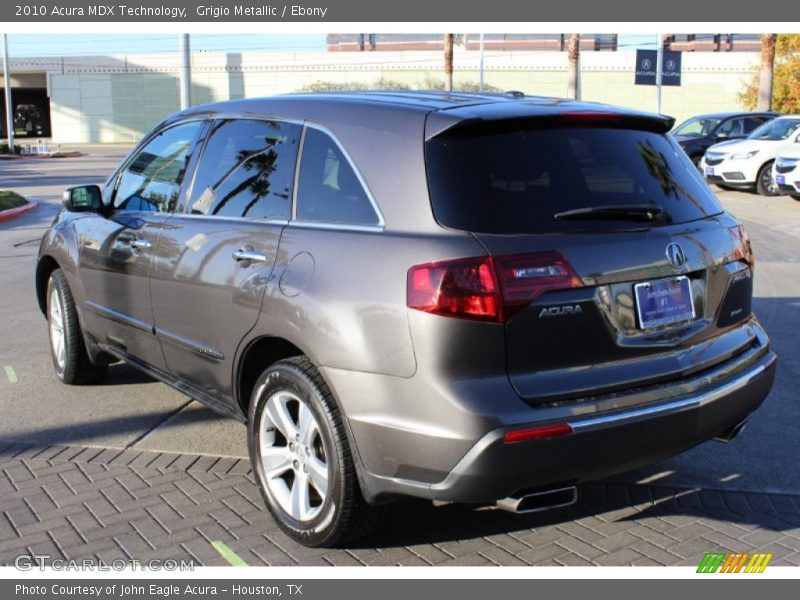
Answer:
[(228, 554), (11, 374)]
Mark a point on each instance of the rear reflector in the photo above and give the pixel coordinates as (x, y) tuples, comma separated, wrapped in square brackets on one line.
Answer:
[(536, 433), (487, 288)]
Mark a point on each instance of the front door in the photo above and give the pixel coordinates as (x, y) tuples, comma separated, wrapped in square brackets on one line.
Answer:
[(117, 247), (214, 259)]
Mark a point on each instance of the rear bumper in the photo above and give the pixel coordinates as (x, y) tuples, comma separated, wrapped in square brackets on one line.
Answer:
[(599, 446)]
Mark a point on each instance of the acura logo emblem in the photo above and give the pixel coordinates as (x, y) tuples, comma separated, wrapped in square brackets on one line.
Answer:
[(675, 255)]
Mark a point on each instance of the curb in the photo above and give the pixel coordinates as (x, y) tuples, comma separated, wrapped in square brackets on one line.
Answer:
[(13, 213)]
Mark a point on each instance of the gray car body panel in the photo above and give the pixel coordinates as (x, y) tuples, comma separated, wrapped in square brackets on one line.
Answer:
[(425, 398)]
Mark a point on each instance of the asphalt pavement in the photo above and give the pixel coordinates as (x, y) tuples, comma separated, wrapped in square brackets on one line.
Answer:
[(131, 411)]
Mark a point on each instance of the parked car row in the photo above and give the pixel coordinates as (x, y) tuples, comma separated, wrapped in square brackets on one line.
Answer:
[(747, 151)]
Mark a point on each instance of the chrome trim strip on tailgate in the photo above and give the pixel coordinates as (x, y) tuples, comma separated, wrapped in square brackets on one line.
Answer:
[(631, 416)]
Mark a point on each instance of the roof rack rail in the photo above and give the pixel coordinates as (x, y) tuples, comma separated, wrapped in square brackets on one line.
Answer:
[(514, 94)]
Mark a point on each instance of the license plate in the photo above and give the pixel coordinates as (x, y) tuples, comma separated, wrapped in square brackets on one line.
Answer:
[(664, 301), (710, 171), (780, 179)]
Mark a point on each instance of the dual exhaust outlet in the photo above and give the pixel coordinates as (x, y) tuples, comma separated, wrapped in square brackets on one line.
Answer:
[(524, 502)]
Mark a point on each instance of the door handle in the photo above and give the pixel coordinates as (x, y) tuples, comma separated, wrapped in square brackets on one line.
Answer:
[(242, 255), (140, 244)]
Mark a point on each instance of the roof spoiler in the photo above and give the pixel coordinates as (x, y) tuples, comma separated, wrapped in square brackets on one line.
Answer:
[(450, 124)]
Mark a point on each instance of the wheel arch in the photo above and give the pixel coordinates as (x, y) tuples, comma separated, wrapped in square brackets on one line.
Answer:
[(258, 355), (44, 267)]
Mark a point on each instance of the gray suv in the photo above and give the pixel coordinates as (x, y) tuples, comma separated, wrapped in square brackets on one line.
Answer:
[(463, 298)]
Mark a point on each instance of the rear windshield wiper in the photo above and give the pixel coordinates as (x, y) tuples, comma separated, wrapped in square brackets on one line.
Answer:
[(626, 212)]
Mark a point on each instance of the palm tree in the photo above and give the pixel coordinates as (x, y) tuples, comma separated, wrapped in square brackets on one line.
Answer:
[(573, 72), (765, 75), (448, 62)]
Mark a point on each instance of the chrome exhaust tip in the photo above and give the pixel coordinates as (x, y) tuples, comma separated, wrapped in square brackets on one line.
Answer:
[(538, 501), (731, 433)]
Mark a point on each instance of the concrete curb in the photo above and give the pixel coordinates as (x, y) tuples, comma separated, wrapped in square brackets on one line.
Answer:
[(13, 213)]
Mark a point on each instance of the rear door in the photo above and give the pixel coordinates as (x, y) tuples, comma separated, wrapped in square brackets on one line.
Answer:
[(214, 258), (117, 247), (618, 265)]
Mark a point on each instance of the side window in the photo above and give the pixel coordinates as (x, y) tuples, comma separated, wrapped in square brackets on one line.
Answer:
[(328, 189), (733, 128), (247, 170), (151, 181), (751, 123)]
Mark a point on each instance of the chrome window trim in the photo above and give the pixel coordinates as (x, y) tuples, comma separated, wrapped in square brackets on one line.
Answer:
[(300, 224)]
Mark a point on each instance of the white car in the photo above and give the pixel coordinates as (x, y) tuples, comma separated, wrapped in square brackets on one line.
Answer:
[(747, 163), (786, 172)]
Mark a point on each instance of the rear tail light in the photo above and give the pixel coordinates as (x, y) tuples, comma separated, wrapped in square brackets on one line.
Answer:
[(525, 277), (487, 288), (742, 249)]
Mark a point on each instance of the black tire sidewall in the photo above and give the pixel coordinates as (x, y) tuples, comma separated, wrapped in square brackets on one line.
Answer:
[(286, 377)]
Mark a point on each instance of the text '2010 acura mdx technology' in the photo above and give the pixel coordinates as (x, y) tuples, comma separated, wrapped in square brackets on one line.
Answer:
[(463, 298)]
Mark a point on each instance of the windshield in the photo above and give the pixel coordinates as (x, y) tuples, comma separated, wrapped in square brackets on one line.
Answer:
[(779, 129), (523, 181), (697, 127)]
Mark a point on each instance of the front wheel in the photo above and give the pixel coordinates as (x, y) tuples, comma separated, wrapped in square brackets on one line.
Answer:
[(795, 197), (765, 184), (70, 359), (301, 457)]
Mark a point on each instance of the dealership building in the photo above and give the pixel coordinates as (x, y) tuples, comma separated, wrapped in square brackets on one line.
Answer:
[(117, 99)]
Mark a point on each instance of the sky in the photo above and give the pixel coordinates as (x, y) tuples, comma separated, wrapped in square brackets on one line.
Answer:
[(102, 44)]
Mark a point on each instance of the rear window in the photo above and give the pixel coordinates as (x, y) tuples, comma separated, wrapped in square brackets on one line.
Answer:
[(515, 182)]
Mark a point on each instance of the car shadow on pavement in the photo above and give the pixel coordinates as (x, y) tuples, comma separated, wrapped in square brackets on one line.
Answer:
[(95, 432), (602, 507)]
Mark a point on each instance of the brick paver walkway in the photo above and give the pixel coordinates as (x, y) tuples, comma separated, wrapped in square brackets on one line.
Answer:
[(92, 503)]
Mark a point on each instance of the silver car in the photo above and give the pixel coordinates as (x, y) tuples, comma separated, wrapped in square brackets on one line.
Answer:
[(465, 298)]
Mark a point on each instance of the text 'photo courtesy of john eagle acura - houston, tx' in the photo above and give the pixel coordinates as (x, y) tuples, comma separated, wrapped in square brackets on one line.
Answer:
[(468, 298)]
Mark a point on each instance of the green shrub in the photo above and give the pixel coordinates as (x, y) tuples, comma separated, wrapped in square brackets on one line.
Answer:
[(4, 148)]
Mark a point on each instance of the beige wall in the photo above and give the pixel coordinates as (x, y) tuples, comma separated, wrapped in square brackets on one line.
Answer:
[(118, 99)]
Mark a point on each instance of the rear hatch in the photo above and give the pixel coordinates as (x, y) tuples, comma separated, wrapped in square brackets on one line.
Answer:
[(617, 264)]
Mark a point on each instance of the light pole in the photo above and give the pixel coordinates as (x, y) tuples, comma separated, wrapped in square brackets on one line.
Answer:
[(659, 69), (9, 106), (480, 82), (186, 71)]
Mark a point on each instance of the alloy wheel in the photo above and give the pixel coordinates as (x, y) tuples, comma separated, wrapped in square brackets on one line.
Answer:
[(293, 456), (57, 334)]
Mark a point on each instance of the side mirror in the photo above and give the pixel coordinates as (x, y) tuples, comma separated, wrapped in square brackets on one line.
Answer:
[(83, 198), (722, 136)]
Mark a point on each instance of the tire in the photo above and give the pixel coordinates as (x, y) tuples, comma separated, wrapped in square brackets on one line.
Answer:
[(312, 488), (67, 348), (795, 197), (764, 183)]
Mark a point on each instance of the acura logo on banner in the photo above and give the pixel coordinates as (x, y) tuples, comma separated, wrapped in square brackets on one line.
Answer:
[(646, 68)]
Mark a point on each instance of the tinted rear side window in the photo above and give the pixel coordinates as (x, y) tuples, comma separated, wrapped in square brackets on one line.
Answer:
[(247, 170), (516, 182), (328, 189)]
